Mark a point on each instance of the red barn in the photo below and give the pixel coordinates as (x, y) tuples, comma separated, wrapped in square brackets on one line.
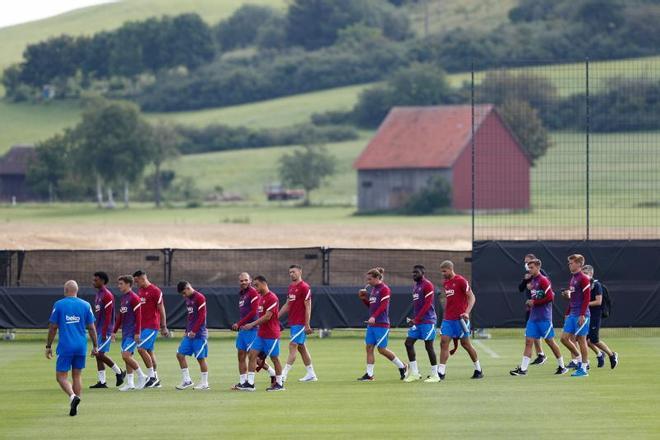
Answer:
[(416, 144)]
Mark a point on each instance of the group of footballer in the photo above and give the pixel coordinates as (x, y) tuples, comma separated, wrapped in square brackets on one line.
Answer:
[(142, 316)]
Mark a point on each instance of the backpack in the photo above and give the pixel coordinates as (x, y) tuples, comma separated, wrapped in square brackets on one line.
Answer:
[(606, 306)]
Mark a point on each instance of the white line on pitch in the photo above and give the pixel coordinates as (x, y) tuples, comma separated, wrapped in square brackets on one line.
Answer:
[(483, 346)]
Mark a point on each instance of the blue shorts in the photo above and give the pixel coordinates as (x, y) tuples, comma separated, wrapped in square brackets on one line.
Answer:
[(425, 332), (66, 362), (454, 329), (298, 335), (539, 330), (269, 346), (377, 336), (245, 339), (571, 326), (197, 347), (104, 344), (128, 344), (148, 339)]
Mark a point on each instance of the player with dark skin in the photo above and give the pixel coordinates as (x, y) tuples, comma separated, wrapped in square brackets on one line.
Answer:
[(417, 276), (102, 359)]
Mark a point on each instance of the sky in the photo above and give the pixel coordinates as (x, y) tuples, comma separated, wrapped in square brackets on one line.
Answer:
[(21, 11)]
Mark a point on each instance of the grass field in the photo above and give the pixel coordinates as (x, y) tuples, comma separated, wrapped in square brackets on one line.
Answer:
[(618, 403)]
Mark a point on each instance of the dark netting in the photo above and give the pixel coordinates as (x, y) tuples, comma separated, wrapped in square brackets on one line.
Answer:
[(348, 266), (221, 267), (54, 267)]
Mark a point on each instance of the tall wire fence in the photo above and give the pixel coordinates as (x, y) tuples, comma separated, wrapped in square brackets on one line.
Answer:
[(566, 152)]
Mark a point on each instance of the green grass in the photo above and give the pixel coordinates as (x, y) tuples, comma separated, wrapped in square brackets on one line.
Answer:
[(86, 21), (272, 113), (499, 406)]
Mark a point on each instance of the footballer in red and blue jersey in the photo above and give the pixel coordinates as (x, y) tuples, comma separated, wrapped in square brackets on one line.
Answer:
[(104, 312), (298, 293), (423, 296), (195, 341), (456, 289), (129, 318), (539, 325), (378, 302), (248, 308), (580, 288)]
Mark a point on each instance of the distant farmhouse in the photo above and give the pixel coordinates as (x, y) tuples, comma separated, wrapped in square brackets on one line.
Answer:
[(416, 144), (13, 170)]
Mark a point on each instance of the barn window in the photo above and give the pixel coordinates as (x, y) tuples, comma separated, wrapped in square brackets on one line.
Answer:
[(367, 184)]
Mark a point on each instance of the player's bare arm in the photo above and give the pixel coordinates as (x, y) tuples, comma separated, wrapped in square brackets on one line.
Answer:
[(52, 331)]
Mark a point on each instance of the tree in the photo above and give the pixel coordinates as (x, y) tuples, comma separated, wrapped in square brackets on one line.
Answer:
[(241, 29), (55, 171), (307, 167), (163, 146), (523, 119), (115, 138)]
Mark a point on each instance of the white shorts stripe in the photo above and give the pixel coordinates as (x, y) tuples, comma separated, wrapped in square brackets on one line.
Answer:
[(201, 349), (272, 348), (428, 335), (129, 347), (298, 334), (586, 321), (107, 341), (547, 332), (383, 338), (153, 333)]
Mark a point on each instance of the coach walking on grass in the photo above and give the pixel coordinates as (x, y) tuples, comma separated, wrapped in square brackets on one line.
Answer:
[(71, 315)]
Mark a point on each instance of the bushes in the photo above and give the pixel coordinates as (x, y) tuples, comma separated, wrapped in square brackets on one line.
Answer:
[(435, 196), (222, 137), (270, 75)]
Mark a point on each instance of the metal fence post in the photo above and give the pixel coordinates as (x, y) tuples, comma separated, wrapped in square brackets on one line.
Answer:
[(325, 265), (473, 147), (588, 132)]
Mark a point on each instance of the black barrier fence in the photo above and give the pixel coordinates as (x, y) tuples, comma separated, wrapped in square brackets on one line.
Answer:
[(332, 307), (629, 269), (220, 267)]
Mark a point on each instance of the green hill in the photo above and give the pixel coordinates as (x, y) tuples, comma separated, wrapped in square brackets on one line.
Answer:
[(85, 21), (25, 123)]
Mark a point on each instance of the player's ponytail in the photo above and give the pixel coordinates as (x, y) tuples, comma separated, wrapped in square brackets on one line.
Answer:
[(376, 272)]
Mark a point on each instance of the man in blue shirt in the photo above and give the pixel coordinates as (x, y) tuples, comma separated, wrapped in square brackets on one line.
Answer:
[(71, 315)]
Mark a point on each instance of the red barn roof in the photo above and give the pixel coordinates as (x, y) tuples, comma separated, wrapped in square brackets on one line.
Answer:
[(422, 137), (15, 162)]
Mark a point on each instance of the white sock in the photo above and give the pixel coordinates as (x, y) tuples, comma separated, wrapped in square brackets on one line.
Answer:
[(185, 375), (434, 370), (129, 380), (287, 368), (102, 376), (116, 369), (577, 360), (370, 369), (242, 378), (71, 397), (560, 362), (140, 372), (271, 372), (155, 374), (250, 377), (150, 372), (442, 368), (396, 361), (477, 366), (525, 363), (413, 367), (278, 379), (600, 354), (204, 378), (310, 370)]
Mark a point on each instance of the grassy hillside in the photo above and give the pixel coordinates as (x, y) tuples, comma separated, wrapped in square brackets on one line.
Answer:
[(553, 178), (92, 19), (24, 123)]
